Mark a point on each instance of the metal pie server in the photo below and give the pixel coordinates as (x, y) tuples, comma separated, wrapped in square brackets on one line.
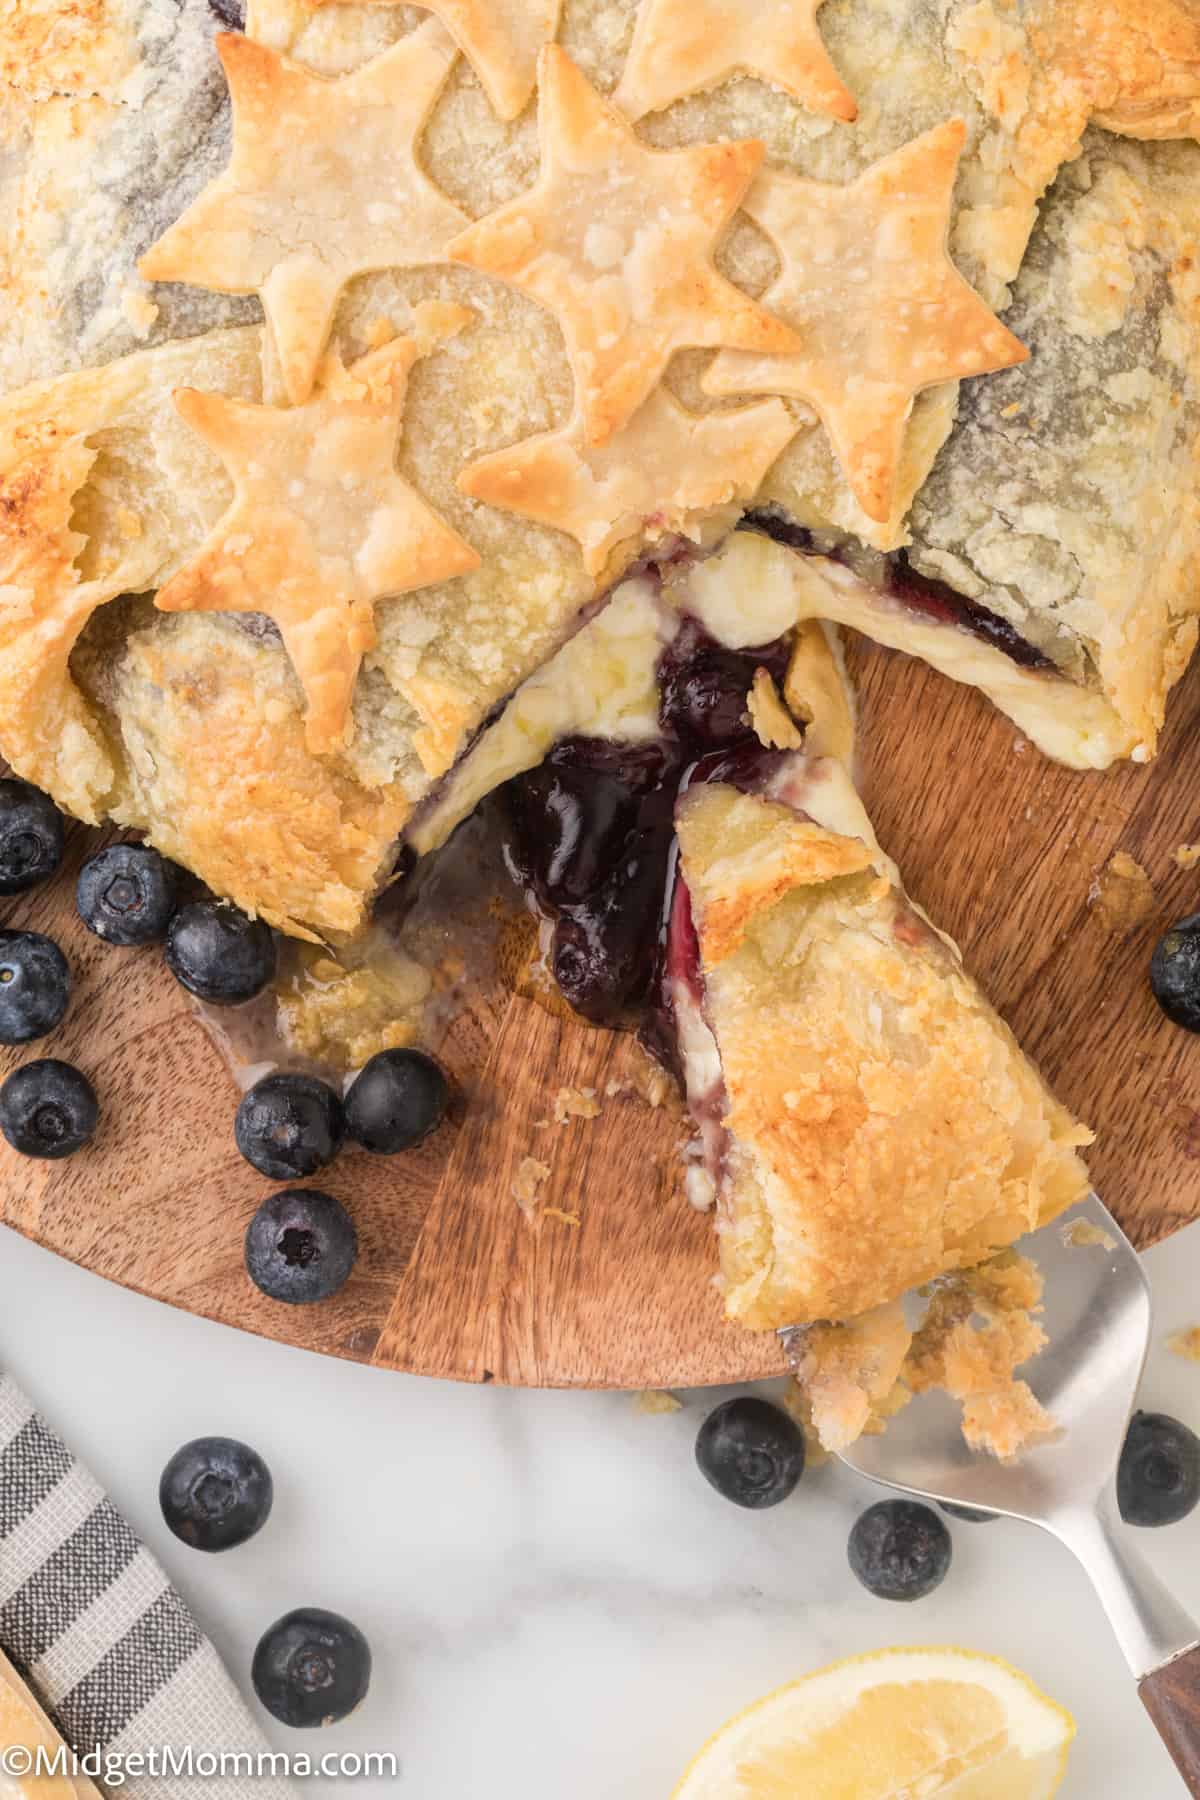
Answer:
[(1097, 1316)]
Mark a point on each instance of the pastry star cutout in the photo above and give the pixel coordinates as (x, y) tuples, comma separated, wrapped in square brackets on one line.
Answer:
[(322, 185), (881, 310), (662, 472), (616, 240), (684, 46), (500, 39), (321, 525)]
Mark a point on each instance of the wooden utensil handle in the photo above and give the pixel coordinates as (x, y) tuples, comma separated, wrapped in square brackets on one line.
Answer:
[(1171, 1695)]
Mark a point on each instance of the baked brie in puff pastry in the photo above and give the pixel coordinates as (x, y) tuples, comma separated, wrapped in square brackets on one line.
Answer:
[(351, 357), (867, 1121)]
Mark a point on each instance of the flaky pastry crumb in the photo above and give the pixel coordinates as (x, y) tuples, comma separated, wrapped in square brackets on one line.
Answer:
[(1121, 895), (655, 1401)]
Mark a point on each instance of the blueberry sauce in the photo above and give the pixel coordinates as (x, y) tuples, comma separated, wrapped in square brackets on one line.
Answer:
[(588, 833), (678, 969), (919, 593)]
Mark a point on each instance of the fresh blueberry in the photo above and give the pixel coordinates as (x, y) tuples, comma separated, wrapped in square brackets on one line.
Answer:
[(1175, 973), (48, 1109), (751, 1452), (229, 13), (1158, 1476), (398, 1099), (215, 1493), (35, 986), (300, 1246), (219, 954), (31, 837), (311, 1667), (289, 1126), (900, 1550), (970, 1514), (127, 894)]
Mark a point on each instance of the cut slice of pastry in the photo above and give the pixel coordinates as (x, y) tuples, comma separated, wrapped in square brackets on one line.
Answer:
[(868, 1122)]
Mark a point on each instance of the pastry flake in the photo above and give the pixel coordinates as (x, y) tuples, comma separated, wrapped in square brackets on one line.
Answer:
[(323, 184), (500, 39), (882, 311), (1137, 64), (684, 46), (321, 525), (661, 473), (616, 240)]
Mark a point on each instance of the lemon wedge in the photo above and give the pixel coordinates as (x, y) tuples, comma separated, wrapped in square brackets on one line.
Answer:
[(919, 1724)]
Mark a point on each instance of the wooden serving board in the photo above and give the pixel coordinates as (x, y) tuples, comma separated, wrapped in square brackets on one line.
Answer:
[(1004, 849)]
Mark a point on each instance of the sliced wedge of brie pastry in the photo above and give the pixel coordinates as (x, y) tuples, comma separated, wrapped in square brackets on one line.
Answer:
[(25, 1727), (870, 1123)]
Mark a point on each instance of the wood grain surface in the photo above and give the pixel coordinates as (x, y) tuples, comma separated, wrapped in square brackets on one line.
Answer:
[(1171, 1696), (1003, 848)]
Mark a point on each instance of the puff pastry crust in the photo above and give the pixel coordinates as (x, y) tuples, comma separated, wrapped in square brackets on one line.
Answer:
[(882, 1124), (568, 427)]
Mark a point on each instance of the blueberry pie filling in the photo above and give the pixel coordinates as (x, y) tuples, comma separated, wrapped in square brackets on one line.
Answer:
[(589, 831), (892, 576)]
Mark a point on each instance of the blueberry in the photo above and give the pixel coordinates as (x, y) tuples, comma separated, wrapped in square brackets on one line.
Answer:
[(398, 1099), (48, 1109), (229, 13), (31, 837), (219, 954), (289, 1126), (900, 1550), (970, 1514), (1175, 973), (127, 894), (215, 1493), (311, 1667), (751, 1452), (1158, 1476), (35, 985), (300, 1246)]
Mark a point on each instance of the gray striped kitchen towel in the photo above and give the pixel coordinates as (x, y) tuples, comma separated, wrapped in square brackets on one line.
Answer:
[(91, 1622)]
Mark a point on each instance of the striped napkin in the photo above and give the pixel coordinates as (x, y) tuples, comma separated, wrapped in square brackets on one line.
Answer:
[(92, 1623)]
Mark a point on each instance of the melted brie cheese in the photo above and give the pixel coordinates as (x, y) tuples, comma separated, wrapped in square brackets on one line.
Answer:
[(756, 589), (704, 1084), (602, 683)]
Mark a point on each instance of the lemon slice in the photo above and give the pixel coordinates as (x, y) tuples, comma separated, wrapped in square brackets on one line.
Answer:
[(894, 1725)]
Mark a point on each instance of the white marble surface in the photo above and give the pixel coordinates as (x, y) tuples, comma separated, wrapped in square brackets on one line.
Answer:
[(558, 1604)]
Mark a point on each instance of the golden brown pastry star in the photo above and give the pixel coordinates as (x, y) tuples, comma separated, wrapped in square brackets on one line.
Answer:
[(500, 39), (881, 310), (660, 474), (323, 184), (616, 240), (684, 46), (321, 525)]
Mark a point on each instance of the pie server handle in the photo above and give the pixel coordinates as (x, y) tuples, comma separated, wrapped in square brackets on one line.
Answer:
[(1160, 1638)]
